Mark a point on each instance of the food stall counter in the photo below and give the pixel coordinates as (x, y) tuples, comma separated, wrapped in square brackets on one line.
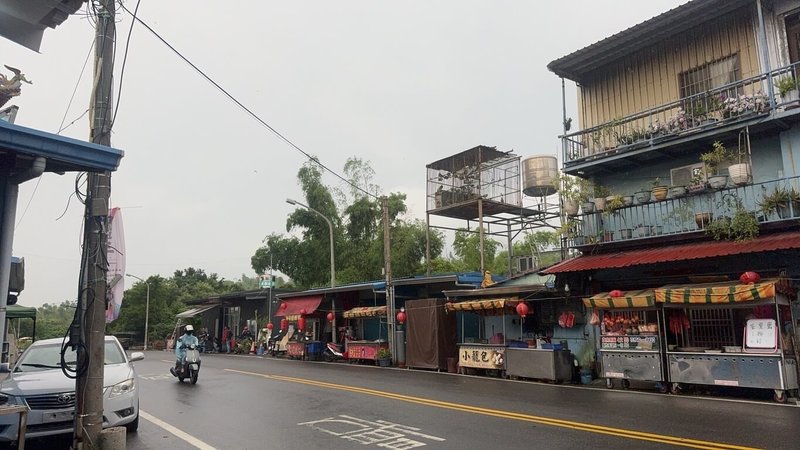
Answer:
[(545, 364), (365, 350)]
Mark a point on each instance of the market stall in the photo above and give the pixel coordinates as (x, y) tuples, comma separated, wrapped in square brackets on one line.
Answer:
[(730, 334), (365, 349), (478, 352), (630, 347)]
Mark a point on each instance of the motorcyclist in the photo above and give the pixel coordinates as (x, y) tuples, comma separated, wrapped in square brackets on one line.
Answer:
[(183, 343)]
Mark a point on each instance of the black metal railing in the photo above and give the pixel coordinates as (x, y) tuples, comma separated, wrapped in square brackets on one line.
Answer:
[(724, 105), (767, 202)]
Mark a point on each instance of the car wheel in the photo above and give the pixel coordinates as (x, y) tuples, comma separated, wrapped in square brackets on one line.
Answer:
[(133, 426)]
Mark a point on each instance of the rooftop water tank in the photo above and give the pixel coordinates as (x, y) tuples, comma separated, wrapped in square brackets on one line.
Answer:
[(538, 175)]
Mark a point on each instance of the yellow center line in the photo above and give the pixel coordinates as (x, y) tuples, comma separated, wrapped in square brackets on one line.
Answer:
[(580, 426)]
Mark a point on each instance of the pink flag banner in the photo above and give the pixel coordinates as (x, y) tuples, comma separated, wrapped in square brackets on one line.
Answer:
[(116, 265)]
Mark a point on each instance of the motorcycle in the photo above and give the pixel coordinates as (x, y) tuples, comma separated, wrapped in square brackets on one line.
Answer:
[(332, 352), (274, 343), (191, 365)]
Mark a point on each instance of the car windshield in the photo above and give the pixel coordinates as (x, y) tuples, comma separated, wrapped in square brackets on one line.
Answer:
[(45, 357)]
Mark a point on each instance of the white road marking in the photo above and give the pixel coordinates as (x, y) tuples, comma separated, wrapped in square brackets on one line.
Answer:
[(178, 433)]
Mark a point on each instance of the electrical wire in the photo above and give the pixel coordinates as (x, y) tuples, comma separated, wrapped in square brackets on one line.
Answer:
[(246, 109), (124, 60), (75, 90)]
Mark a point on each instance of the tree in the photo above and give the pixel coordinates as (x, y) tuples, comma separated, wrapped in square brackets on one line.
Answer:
[(466, 246), (358, 233)]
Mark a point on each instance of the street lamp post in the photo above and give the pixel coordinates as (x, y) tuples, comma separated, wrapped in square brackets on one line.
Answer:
[(333, 268), (146, 308)]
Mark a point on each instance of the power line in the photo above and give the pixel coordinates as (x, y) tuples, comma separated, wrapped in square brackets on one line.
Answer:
[(124, 60), (245, 108)]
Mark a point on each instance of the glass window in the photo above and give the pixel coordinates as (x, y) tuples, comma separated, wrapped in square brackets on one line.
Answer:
[(45, 357), (709, 76)]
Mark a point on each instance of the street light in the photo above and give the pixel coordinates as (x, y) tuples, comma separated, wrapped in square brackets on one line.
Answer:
[(146, 308), (333, 269)]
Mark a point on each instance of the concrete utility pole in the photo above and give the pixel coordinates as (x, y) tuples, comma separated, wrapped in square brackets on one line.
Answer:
[(92, 302), (387, 262)]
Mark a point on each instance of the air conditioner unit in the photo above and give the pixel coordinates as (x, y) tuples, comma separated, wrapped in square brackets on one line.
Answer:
[(682, 176), (525, 263)]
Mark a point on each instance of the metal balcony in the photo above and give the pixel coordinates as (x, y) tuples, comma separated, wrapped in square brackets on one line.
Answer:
[(703, 116), (685, 217)]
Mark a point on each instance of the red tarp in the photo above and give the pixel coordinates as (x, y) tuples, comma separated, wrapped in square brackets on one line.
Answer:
[(682, 252), (295, 305)]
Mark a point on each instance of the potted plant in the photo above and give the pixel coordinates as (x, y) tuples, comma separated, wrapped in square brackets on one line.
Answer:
[(642, 196), (698, 182), (384, 357), (571, 194), (743, 226), (795, 201), (712, 161), (677, 191), (787, 88), (740, 171), (569, 230), (600, 194), (658, 190), (778, 201), (586, 362), (613, 204), (702, 219)]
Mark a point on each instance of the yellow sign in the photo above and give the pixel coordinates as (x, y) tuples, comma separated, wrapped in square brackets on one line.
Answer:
[(482, 357)]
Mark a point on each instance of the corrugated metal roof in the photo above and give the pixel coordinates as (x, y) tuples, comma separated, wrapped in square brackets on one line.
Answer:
[(682, 252), (670, 23)]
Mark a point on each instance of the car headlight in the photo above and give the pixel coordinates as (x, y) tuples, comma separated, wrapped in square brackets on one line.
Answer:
[(122, 388), (6, 399)]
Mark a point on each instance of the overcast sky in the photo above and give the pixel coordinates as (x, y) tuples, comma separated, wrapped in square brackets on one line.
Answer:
[(400, 84)]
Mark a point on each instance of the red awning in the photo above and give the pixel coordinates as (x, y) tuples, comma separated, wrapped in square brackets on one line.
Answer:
[(295, 305), (682, 252)]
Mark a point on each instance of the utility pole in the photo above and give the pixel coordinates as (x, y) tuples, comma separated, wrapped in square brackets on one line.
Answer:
[(387, 263), (92, 297)]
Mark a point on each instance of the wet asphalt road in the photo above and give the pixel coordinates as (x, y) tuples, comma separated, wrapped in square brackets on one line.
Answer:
[(248, 402)]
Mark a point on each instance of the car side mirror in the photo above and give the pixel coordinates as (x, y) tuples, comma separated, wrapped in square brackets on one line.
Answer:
[(136, 356), (5, 368)]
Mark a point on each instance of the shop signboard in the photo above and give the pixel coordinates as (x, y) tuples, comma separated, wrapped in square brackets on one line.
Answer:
[(760, 335), (481, 357), (362, 351), (630, 342)]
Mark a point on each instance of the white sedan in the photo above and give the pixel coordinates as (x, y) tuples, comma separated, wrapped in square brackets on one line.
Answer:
[(36, 380)]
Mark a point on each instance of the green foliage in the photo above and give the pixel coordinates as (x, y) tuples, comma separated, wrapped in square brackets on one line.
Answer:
[(786, 84), (714, 158), (358, 234), (466, 245), (51, 321), (384, 352)]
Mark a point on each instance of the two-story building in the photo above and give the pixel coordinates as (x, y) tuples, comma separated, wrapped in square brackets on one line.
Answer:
[(687, 165)]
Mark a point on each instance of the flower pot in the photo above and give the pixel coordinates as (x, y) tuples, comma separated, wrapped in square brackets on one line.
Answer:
[(627, 200), (677, 191), (625, 233), (658, 229), (579, 241), (791, 96), (643, 231), (599, 204), (783, 211), (696, 188), (570, 207), (642, 197), (702, 219), (586, 376), (659, 192), (384, 362), (796, 208), (718, 181), (739, 173), (587, 207), (608, 236)]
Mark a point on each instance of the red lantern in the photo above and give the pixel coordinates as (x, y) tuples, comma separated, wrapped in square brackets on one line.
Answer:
[(284, 324), (616, 293), (401, 317), (330, 316), (270, 326), (301, 323), (750, 278), (283, 306), (522, 309), (303, 312)]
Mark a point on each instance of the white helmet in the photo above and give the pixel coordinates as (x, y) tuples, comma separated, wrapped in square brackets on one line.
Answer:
[(189, 328)]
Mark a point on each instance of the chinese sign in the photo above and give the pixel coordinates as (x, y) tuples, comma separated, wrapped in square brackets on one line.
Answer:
[(362, 351), (481, 357), (634, 342), (379, 433), (761, 334)]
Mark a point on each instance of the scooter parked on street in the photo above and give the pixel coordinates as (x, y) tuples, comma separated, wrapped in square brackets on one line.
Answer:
[(333, 352)]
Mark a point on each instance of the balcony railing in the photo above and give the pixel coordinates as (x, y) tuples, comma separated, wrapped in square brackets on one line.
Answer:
[(732, 103), (687, 214)]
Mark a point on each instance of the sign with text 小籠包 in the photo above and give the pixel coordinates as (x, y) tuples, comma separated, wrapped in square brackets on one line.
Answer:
[(481, 357)]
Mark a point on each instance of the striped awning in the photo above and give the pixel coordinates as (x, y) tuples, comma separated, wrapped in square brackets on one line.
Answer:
[(716, 293), (632, 299), (483, 305), (365, 311)]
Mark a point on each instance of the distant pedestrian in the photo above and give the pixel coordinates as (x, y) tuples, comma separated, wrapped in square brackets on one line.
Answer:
[(226, 337)]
